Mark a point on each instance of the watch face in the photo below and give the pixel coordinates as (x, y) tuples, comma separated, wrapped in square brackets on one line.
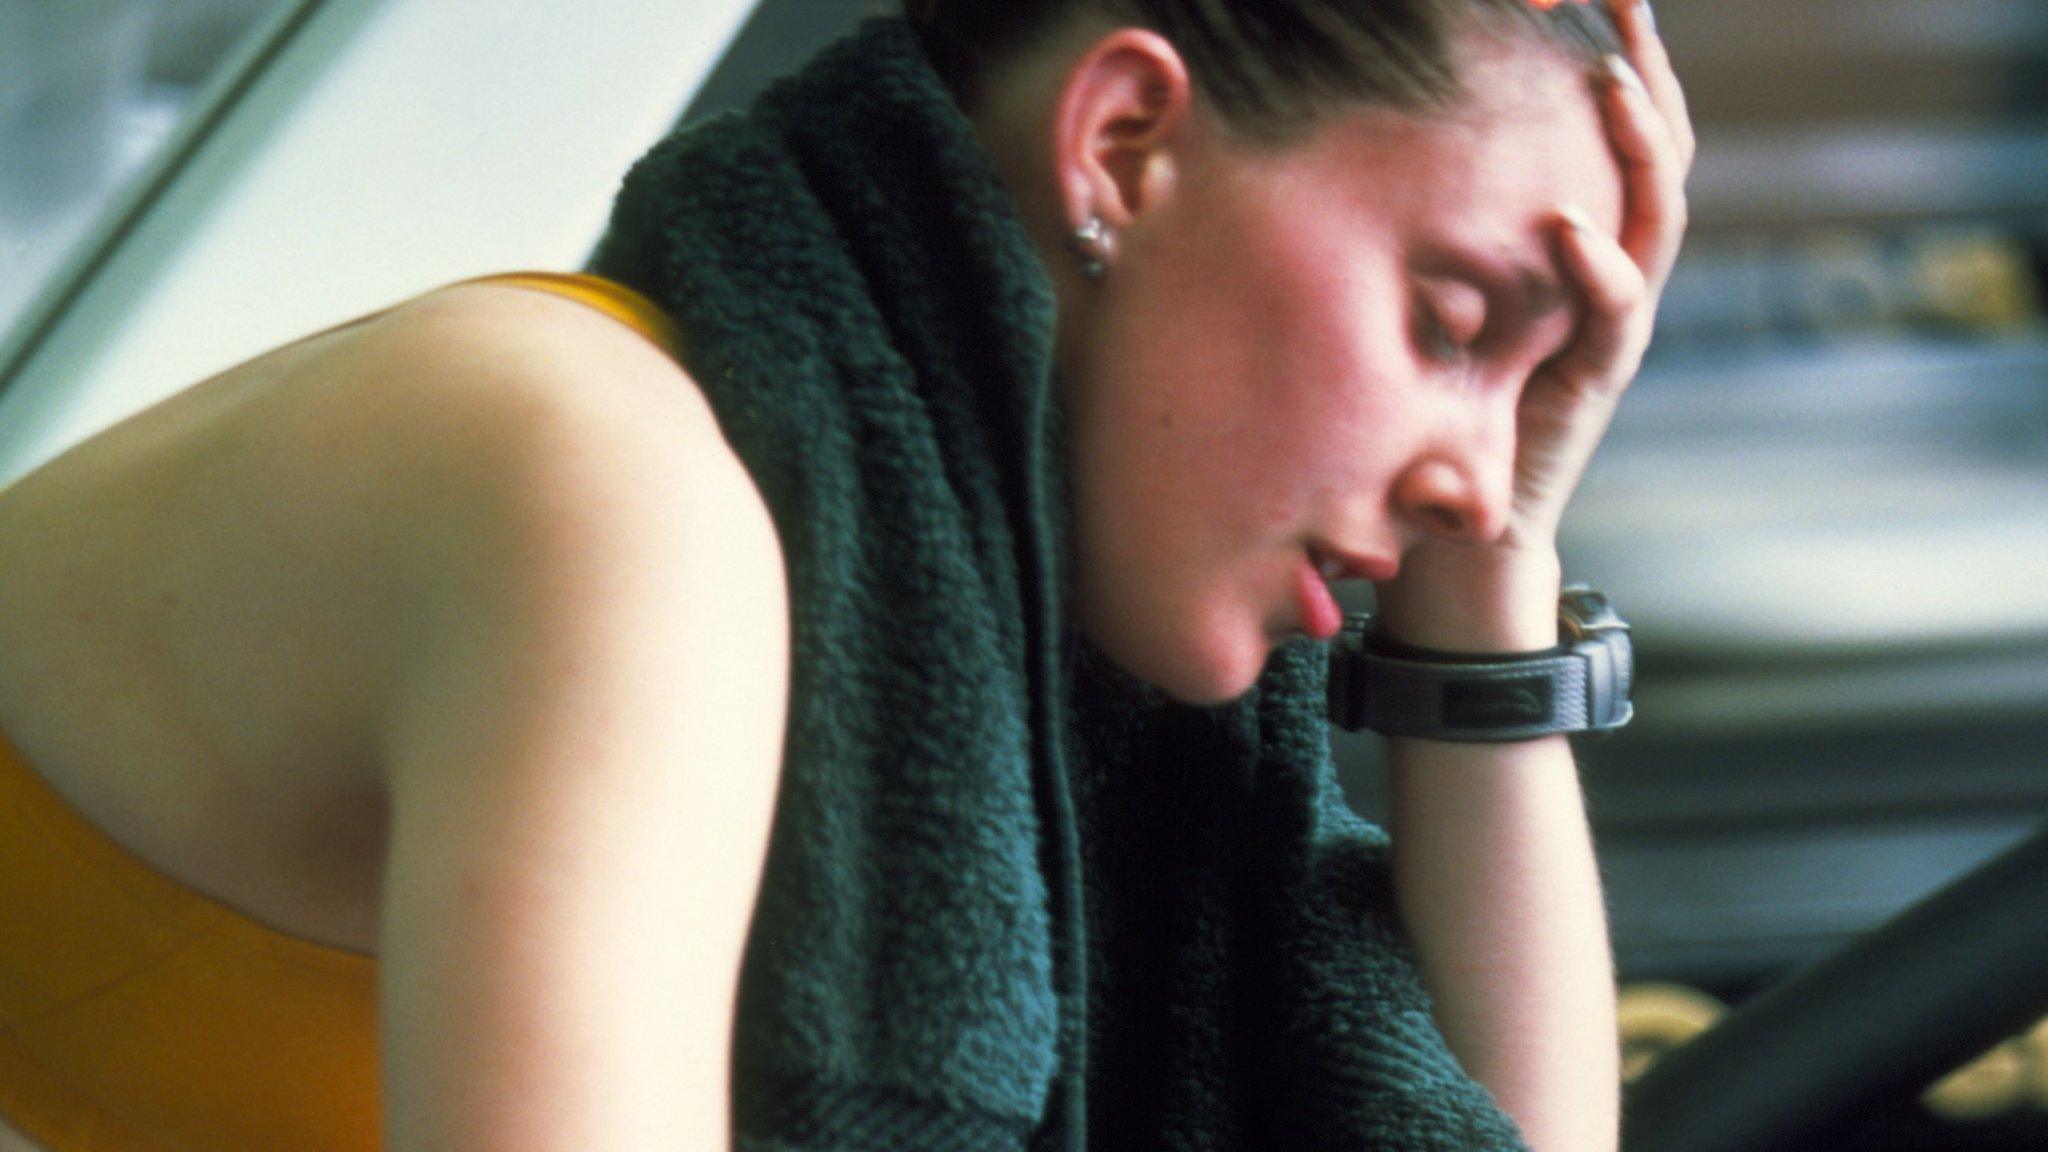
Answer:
[(1492, 704)]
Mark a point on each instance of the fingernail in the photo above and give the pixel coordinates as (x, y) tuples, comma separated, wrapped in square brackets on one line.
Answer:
[(1624, 73), (1577, 218), (1649, 16)]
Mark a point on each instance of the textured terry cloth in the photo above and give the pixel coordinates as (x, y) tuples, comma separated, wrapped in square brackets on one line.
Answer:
[(1013, 898)]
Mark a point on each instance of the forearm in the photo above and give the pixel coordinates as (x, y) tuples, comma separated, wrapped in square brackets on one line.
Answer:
[(1493, 859), (1496, 880), (1495, 877)]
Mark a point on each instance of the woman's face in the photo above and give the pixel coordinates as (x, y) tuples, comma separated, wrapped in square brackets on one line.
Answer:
[(1312, 349)]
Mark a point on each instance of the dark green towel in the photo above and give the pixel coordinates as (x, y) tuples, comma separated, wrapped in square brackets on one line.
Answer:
[(1013, 898)]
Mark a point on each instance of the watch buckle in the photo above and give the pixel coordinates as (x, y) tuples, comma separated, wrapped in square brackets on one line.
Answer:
[(1584, 614)]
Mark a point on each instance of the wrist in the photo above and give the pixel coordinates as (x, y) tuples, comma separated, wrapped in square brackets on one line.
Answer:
[(1473, 600), (1503, 696)]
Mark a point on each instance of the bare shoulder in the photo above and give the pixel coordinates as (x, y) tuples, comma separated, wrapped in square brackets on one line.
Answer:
[(607, 572), (505, 369), (285, 535), (576, 360)]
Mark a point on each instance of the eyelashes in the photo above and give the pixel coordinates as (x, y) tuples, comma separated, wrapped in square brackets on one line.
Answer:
[(1450, 320), (1439, 344)]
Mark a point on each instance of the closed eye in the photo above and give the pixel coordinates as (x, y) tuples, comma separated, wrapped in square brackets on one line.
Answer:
[(1439, 345), (1451, 316)]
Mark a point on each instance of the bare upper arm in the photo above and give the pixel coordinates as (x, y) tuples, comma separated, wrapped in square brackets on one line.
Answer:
[(262, 546), (583, 752)]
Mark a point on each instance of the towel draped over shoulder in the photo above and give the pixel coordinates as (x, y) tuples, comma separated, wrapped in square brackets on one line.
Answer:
[(1014, 898)]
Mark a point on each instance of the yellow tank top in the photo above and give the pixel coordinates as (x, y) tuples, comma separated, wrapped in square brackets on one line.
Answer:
[(137, 1015)]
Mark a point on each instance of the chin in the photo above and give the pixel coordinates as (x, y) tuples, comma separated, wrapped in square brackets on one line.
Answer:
[(1190, 665), (1210, 693)]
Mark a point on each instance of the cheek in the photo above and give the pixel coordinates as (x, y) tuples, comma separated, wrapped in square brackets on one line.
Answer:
[(1244, 381), (1344, 390)]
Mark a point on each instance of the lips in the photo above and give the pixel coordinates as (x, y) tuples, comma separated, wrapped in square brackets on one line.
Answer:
[(1334, 565), (1318, 613), (1320, 616)]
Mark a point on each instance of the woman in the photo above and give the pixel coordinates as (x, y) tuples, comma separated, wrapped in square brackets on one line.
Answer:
[(471, 647)]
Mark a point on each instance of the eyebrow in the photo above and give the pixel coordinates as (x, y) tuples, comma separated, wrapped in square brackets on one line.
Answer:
[(1530, 291)]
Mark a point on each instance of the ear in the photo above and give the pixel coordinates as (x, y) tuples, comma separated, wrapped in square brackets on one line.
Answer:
[(1120, 115)]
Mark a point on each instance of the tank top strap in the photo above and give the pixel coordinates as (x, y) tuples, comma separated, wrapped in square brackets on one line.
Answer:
[(606, 295)]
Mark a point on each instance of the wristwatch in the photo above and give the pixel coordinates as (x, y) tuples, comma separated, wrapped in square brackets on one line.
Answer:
[(1582, 685)]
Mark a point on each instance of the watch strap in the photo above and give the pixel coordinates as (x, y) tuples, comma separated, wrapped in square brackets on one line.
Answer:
[(1582, 685)]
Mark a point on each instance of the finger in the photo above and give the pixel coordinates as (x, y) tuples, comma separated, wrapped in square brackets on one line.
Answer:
[(1613, 328), (1653, 179), (1638, 28)]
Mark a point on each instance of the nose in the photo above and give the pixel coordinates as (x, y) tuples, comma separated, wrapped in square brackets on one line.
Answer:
[(1460, 491)]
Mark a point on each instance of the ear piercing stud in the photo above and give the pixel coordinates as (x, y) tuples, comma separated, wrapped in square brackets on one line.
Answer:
[(1091, 242)]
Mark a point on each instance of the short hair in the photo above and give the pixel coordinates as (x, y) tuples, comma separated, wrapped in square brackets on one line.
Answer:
[(1272, 68)]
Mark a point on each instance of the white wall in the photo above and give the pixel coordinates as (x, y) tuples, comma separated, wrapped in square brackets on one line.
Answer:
[(394, 146)]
